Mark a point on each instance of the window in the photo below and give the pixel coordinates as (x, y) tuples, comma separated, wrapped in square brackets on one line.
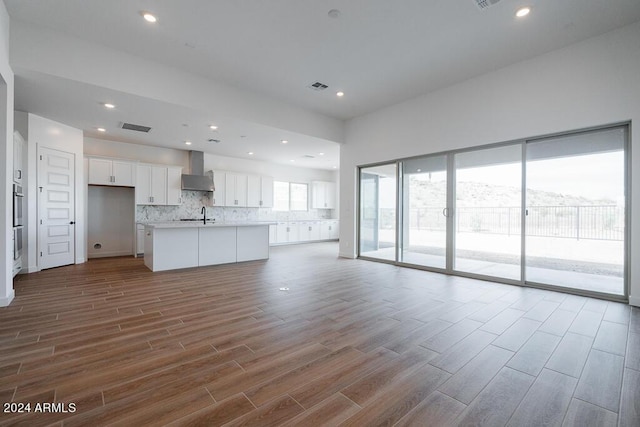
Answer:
[(546, 212), (290, 196)]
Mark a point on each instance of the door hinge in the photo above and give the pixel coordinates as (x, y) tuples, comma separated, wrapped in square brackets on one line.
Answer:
[(40, 253), (40, 156)]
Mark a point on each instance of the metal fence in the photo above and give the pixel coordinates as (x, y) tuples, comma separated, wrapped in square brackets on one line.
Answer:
[(600, 222)]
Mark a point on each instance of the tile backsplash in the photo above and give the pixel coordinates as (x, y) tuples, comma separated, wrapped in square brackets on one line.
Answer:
[(193, 201)]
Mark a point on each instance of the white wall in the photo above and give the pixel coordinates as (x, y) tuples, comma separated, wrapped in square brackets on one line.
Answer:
[(592, 83), (6, 160), (278, 172), (47, 133), (143, 153), (43, 51), (168, 156)]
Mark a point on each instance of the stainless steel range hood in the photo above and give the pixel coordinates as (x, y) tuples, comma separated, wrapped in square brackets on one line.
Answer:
[(197, 180)]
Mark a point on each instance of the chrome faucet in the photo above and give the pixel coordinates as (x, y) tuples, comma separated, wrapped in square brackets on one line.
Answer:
[(203, 211)]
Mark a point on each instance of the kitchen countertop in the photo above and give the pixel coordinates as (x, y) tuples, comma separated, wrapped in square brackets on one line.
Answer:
[(199, 224)]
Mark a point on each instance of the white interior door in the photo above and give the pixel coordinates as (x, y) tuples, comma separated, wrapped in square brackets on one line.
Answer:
[(56, 229)]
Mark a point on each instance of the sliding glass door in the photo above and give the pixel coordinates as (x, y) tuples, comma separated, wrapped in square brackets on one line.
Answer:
[(488, 196), (424, 201), (547, 212), (378, 212), (575, 222)]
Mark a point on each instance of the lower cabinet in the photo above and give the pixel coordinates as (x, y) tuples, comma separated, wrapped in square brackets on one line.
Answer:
[(139, 239), (182, 247), (210, 240), (252, 243), (303, 231)]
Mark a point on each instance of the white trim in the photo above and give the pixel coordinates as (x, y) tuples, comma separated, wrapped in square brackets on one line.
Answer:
[(5, 301), (344, 255), (634, 301)]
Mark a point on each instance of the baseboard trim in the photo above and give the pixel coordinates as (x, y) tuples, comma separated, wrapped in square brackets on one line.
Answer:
[(5, 301), (343, 255), (635, 301)]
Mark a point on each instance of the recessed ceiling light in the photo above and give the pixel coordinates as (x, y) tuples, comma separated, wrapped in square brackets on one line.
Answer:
[(250, 153), (284, 141), (340, 94), (109, 106), (149, 17), (187, 142), (522, 12), (101, 129), (335, 167), (213, 127), (320, 154), (292, 160)]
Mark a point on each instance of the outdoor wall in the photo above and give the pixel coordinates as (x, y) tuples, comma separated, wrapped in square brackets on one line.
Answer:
[(592, 83)]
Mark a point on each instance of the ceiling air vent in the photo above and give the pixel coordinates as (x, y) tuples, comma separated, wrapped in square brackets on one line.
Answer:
[(138, 128), (307, 156), (483, 4), (317, 86)]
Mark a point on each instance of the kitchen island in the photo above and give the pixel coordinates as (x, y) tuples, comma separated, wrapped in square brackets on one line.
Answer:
[(175, 244)]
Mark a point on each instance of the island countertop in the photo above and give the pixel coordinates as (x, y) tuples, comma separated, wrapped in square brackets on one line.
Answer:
[(209, 224)]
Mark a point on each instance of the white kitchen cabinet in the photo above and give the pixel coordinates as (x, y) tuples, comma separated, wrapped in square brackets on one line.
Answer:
[(18, 150), (314, 230), (323, 195), (174, 185), (329, 230), (273, 234), (303, 231), (282, 232), (151, 185), (171, 248), (267, 192), (217, 245), (259, 191), (287, 232), (252, 243), (219, 184), (139, 239), (235, 190), (111, 172)]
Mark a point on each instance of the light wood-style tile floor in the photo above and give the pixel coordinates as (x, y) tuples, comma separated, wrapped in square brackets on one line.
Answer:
[(350, 342)]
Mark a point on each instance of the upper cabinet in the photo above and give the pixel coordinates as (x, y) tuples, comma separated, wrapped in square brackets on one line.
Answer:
[(174, 185), (259, 191), (323, 195), (111, 172), (18, 147), (151, 188), (235, 189), (219, 184)]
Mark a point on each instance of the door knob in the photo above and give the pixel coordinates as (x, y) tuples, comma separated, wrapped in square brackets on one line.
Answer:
[(72, 222)]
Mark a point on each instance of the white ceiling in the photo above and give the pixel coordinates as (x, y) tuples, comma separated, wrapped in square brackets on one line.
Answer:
[(379, 52)]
